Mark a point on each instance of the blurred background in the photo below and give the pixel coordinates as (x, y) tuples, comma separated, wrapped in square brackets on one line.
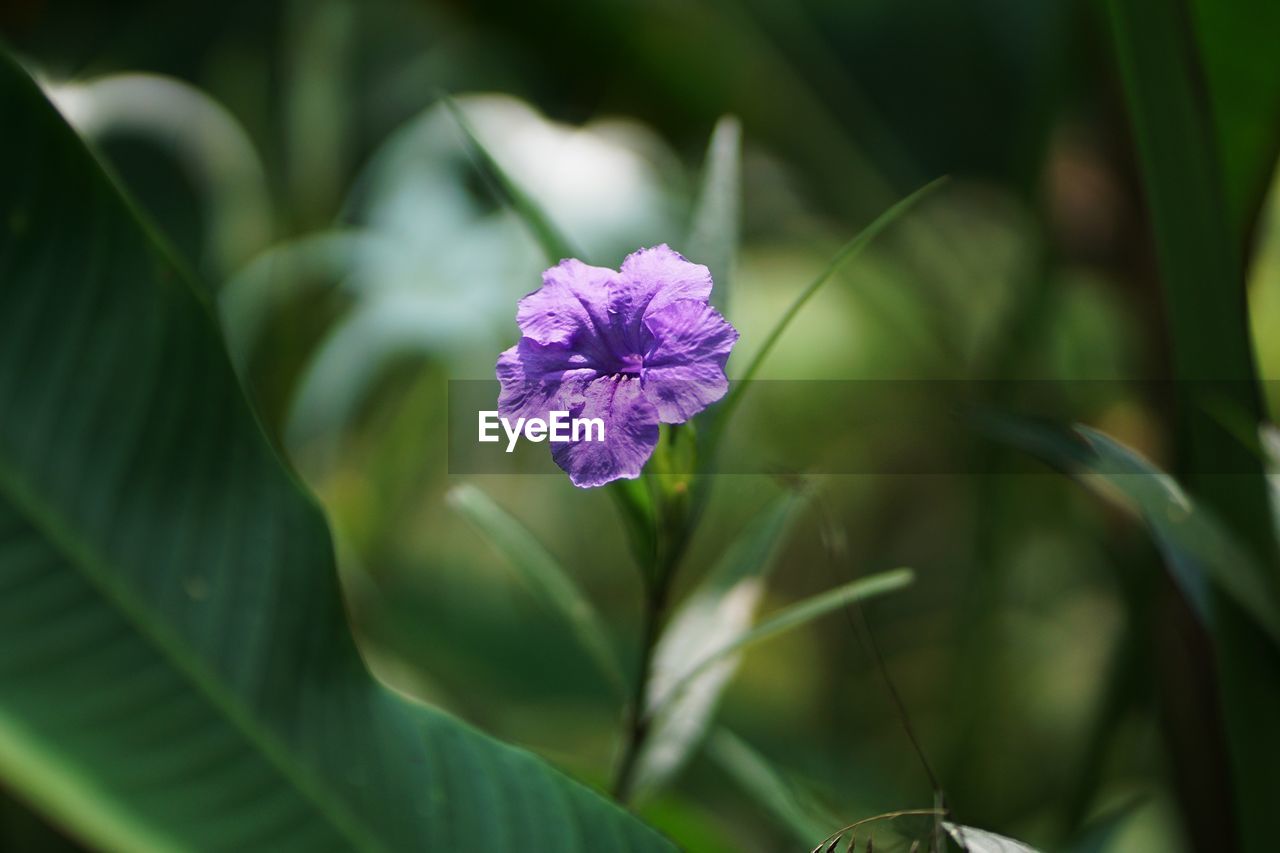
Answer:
[(298, 156)]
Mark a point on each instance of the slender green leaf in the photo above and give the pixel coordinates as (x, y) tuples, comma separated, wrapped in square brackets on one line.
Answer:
[(717, 611), (717, 214), (1201, 270), (1102, 833), (1192, 539), (553, 585), (794, 616), (1202, 275), (555, 245), (1198, 548), (176, 671), (981, 841), (847, 252), (804, 818)]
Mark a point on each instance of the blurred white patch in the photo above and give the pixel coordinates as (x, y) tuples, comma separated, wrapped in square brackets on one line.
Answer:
[(435, 264)]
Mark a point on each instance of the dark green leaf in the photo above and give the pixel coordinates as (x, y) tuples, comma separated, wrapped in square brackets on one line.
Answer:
[(1238, 47), (1202, 275), (800, 814), (176, 671), (1101, 833)]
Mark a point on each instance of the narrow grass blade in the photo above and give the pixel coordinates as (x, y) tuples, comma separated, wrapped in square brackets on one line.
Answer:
[(1102, 833), (555, 245), (804, 818), (1192, 539), (176, 667), (720, 608), (717, 214), (549, 581), (848, 252), (795, 616)]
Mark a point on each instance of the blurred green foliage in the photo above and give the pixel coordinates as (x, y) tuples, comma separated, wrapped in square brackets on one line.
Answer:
[(298, 156)]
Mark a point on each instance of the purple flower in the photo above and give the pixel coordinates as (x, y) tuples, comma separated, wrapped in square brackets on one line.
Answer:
[(635, 348)]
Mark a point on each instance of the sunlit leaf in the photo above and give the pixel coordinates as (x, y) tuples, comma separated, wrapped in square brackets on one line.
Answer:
[(981, 841), (717, 214), (176, 670), (544, 575), (794, 616), (717, 612), (555, 245)]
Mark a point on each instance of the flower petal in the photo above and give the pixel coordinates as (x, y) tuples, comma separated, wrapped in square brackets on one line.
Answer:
[(630, 433), (538, 378), (572, 308), (686, 346), (650, 280)]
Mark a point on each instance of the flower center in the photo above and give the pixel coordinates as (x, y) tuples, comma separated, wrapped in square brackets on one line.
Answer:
[(631, 365)]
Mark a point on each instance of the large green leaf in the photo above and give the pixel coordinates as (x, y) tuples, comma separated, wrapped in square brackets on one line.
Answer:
[(175, 668), (1202, 276), (1237, 42)]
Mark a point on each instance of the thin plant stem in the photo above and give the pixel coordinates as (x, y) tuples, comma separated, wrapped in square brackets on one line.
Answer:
[(875, 818)]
